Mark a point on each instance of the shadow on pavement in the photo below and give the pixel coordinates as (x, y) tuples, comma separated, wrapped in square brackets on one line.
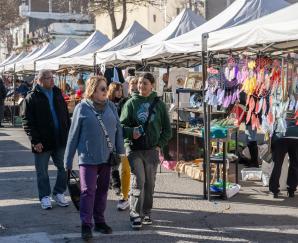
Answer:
[(169, 226)]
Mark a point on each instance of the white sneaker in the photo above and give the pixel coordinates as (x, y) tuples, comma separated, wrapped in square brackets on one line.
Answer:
[(45, 202), (60, 200), (122, 205)]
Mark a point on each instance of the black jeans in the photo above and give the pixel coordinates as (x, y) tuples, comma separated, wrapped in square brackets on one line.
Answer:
[(280, 148)]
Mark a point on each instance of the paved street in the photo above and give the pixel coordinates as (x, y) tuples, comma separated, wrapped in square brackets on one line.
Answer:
[(180, 214)]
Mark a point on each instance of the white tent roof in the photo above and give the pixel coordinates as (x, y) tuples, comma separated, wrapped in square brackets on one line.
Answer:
[(13, 55), (90, 45), (133, 35), (239, 12), (10, 65), (280, 26), (27, 64), (67, 45), (186, 21)]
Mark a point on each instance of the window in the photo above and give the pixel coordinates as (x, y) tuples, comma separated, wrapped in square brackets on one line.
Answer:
[(154, 18), (177, 11)]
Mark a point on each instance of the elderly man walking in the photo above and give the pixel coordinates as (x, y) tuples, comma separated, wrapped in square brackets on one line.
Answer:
[(46, 122)]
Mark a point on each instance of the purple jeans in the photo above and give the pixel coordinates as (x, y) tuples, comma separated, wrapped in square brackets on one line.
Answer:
[(94, 181)]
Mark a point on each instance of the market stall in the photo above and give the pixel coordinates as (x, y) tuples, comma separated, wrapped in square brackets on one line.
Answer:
[(184, 50)]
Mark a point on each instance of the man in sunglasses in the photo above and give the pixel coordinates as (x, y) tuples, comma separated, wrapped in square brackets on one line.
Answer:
[(46, 122)]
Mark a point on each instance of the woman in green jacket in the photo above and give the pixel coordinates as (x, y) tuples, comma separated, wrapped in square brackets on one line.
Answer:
[(147, 129)]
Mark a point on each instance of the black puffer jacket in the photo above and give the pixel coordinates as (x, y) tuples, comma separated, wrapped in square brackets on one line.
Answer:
[(3, 90), (38, 122)]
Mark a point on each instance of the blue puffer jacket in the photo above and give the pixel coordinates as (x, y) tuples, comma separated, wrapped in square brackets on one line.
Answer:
[(87, 137)]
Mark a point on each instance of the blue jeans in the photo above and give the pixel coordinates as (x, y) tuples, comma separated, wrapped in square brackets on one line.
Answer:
[(41, 166)]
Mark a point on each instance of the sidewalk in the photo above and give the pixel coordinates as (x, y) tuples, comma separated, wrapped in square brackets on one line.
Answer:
[(180, 214)]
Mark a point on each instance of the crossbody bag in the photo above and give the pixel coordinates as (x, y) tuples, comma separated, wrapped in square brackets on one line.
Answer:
[(143, 142)]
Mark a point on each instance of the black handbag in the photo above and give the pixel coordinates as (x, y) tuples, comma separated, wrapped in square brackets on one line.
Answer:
[(73, 184), (114, 159)]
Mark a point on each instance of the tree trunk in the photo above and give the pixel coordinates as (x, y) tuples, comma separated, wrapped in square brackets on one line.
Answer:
[(116, 31), (190, 4)]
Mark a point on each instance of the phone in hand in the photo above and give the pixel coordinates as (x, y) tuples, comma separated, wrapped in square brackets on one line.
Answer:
[(141, 130)]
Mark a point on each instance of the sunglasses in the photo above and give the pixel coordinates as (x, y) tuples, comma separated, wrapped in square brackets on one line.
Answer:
[(103, 89)]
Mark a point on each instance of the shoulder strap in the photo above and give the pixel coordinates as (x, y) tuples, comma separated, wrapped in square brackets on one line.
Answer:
[(99, 118), (151, 107)]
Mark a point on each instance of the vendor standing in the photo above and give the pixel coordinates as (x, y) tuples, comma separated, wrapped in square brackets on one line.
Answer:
[(281, 145)]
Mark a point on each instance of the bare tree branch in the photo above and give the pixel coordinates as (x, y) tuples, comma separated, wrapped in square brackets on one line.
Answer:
[(111, 7)]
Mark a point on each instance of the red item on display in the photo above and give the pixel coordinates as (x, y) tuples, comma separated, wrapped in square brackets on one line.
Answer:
[(79, 94), (239, 113)]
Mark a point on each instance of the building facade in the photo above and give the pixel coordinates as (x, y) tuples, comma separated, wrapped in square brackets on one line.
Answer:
[(153, 18), (49, 21)]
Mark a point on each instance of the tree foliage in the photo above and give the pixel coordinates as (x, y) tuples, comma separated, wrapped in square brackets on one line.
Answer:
[(111, 7), (9, 16)]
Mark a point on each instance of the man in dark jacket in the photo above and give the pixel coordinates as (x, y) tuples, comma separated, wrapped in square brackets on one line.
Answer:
[(46, 122), (2, 98)]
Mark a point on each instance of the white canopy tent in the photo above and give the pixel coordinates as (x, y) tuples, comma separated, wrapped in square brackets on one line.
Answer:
[(90, 45), (13, 55), (280, 26), (186, 21), (67, 45), (133, 35), (239, 12), (28, 65), (10, 65)]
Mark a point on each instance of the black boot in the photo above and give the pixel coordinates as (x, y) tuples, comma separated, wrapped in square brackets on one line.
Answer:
[(86, 232), (291, 193), (103, 228), (254, 154)]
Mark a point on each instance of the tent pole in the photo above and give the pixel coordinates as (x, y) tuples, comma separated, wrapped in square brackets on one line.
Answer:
[(206, 183), (14, 96), (94, 63)]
